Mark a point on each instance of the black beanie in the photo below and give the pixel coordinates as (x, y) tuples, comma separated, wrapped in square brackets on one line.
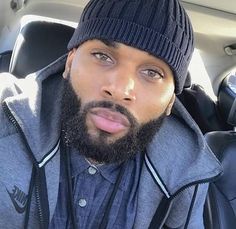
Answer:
[(159, 27)]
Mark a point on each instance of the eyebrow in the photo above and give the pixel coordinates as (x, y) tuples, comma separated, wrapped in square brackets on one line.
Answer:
[(109, 43)]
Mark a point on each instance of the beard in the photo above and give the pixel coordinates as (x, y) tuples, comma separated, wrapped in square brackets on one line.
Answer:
[(100, 149)]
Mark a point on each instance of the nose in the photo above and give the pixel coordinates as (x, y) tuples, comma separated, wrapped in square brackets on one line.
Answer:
[(119, 87)]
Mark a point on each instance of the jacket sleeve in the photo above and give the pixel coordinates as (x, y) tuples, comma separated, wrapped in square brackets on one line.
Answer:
[(187, 209)]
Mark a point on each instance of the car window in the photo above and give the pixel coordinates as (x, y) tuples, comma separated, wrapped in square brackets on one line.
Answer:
[(199, 74)]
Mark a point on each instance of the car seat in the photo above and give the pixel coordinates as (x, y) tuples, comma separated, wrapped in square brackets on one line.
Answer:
[(202, 108), (220, 207), (38, 44)]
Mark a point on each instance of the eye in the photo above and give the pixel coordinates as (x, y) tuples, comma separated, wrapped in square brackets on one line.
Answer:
[(152, 74), (102, 57)]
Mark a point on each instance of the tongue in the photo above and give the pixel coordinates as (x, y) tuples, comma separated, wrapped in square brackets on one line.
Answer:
[(105, 124)]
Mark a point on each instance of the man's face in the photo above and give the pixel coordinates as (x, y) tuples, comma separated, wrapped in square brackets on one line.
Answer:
[(122, 91)]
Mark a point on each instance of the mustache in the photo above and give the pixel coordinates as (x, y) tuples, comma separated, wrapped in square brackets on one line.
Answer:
[(113, 107), (76, 106)]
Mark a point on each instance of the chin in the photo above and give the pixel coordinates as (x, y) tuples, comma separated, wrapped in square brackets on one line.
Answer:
[(102, 137)]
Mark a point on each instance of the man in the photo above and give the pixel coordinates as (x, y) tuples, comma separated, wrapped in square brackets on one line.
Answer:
[(107, 145)]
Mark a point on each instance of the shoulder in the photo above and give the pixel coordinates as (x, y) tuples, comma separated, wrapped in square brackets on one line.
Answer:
[(179, 153)]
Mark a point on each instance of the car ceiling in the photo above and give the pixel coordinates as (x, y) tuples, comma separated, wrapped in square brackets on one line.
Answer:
[(226, 5)]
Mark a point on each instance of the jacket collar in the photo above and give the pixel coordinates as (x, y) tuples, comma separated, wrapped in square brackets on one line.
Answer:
[(178, 155)]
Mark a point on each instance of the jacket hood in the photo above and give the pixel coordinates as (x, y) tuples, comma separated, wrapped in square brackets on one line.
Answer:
[(184, 155), (34, 108)]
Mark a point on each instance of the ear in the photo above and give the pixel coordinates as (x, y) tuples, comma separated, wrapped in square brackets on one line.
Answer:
[(69, 60), (170, 105)]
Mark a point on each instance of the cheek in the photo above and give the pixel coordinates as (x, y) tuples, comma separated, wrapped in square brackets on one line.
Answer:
[(84, 81), (153, 104)]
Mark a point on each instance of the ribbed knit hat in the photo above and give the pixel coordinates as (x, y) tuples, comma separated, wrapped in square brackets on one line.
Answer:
[(159, 27)]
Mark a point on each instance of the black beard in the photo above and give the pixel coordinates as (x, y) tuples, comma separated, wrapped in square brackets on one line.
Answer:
[(75, 133)]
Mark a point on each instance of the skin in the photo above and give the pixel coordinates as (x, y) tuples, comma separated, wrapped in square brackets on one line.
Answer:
[(134, 79)]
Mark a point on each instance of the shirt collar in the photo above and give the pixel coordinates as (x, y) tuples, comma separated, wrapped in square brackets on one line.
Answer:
[(108, 171)]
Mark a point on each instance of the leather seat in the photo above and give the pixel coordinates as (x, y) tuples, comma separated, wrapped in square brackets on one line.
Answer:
[(220, 208), (38, 44), (202, 108), (5, 58)]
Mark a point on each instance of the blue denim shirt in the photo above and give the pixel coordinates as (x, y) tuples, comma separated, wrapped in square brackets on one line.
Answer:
[(93, 186)]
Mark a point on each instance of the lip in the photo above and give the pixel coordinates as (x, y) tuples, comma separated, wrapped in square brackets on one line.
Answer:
[(108, 120)]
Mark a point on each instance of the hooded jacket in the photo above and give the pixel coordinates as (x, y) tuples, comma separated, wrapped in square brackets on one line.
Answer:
[(173, 183)]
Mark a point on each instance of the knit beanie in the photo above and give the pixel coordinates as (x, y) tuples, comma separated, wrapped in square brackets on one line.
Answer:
[(159, 27)]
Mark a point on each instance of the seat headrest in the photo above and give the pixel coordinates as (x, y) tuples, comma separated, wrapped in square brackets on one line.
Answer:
[(188, 81), (227, 102), (38, 44), (232, 114)]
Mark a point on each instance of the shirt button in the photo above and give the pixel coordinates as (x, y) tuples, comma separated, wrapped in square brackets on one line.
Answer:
[(82, 203), (92, 170)]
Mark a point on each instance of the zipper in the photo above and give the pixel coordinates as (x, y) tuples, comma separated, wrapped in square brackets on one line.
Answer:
[(37, 196), (13, 120), (41, 198), (20, 131)]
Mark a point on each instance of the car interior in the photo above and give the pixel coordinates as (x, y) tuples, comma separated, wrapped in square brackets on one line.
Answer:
[(35, 33)]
